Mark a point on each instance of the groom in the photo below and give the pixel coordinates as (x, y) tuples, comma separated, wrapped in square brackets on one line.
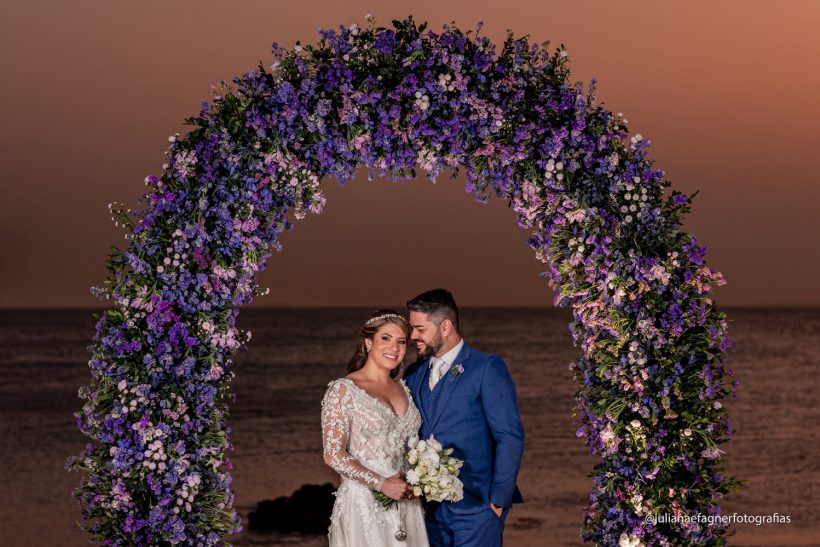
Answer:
[(467, 401)]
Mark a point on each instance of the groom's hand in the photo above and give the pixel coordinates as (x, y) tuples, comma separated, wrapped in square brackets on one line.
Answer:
[(497, 510)]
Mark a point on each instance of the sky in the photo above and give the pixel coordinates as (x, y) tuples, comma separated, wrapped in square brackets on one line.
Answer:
[(727, 92)]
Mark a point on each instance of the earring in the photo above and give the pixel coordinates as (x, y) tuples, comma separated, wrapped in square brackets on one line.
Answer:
[(366, 348)]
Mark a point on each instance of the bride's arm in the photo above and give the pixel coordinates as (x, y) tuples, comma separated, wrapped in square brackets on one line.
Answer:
[(336, 411)]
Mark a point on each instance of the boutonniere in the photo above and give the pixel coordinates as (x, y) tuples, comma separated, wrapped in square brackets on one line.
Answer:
[(455, 371)]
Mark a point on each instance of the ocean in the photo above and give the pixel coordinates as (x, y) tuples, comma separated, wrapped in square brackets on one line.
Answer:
[(294, 353)]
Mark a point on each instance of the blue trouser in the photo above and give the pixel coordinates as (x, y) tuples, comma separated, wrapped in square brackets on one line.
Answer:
[(448, 529)]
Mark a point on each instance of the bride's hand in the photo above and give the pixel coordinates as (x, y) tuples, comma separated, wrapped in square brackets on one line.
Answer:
[(395, 488), (410, 495)]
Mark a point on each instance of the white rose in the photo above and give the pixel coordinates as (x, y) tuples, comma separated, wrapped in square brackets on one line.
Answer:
[(432, 458), (413, 477)]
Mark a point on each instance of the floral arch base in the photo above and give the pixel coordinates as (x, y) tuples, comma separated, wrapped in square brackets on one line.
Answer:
[(649, 376)]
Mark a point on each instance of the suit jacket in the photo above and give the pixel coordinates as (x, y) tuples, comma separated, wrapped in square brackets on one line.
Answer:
[(476, 415)]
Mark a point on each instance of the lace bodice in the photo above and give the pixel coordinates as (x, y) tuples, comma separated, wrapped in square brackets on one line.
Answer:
[(364, 439)]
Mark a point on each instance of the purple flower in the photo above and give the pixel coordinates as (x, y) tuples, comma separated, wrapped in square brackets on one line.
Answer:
[(455, 371), (651, 341)]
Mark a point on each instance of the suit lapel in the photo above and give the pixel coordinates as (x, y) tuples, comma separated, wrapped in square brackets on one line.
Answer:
[(450, 382), (418, 383)]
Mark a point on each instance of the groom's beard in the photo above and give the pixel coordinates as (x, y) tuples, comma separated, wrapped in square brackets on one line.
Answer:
[(432, 348)]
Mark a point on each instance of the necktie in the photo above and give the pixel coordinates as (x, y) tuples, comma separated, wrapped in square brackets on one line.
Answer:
[(436, 365)]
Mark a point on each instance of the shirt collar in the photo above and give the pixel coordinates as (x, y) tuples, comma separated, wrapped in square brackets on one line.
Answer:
[(451, 355)]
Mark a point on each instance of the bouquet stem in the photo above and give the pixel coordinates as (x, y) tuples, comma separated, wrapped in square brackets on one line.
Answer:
[(384, 499)]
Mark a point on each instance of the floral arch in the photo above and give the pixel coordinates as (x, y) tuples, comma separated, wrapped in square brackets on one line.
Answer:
[(652, 342)]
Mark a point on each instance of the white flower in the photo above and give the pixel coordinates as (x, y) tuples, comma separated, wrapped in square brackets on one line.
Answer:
[(635, 423), (618, 295), (629, 541), (606, 434), (712, 453), (413, 477)]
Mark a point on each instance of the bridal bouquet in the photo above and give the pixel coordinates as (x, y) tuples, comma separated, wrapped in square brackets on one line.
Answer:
[(434, 472)]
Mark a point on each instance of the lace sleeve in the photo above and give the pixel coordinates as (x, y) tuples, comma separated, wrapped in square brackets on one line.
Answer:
[(336, 419)]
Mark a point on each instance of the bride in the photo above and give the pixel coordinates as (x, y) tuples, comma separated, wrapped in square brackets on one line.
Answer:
[(367, 418)]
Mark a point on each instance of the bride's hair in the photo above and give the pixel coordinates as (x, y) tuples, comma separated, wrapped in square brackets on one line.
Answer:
[(376, 321)]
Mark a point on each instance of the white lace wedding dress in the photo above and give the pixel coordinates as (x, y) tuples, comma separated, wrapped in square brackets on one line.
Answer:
[(365, 442)]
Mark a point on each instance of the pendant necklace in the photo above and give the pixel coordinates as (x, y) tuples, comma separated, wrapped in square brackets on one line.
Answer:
[(401, 533)]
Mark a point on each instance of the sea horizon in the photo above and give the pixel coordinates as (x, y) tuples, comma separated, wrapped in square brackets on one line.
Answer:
[(295, 352)]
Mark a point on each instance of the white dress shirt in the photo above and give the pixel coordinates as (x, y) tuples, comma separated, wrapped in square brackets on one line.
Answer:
[(449, 357)]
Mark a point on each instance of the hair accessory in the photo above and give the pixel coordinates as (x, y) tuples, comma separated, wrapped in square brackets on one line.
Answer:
[(385, 316)]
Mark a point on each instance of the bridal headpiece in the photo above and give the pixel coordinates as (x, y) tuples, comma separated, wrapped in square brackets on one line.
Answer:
[(385, 316)]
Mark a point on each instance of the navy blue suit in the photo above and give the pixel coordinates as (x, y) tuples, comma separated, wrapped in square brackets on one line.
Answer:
[(475, 413)]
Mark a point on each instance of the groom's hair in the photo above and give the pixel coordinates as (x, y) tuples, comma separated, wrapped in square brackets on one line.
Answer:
[(437, 303)]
